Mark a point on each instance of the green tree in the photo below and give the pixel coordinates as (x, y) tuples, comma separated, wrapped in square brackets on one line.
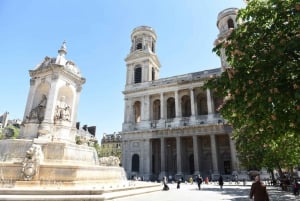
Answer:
[(262, 85)]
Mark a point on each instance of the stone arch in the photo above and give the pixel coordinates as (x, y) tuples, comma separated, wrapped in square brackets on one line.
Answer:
[(171, 108), (156, 109), (64, 103), (186, 106), (38, 106), (202, 104), (139, 44), (137, 111), (135, 163), (230, 23)]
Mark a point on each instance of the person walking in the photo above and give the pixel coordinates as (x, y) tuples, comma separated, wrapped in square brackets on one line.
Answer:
[(178, 183), (221, 182), (296, 187), (199, 181), (165, 183), (258, 190)]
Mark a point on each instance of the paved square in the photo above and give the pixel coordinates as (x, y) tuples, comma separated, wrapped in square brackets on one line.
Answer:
[(209, 192)]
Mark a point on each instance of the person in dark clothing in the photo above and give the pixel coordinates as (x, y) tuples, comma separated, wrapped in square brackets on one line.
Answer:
[(221, 182), (258, 190), (296, 187), (199, 181), (178, 183)]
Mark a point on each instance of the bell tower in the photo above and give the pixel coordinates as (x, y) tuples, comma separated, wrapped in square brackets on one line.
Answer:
[(226, 23), (142, 62)]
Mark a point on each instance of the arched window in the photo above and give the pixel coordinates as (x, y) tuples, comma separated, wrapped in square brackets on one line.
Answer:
[(135, 163), (137, 111), (156, 110), (170, 108), (138, 74), (230, 23), (139, 46), (186, 106), (202, 105)]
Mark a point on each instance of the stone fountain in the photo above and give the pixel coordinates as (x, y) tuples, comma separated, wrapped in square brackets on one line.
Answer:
[(45, 163)]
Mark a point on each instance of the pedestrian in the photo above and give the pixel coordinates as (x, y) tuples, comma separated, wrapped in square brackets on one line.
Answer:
[(178, 183), (206, 180), (199, 181), (165, 183), (221, 182), (259, 190), (296, 187)]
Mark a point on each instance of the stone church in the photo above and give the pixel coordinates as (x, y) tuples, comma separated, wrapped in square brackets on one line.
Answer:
[(171, 125)]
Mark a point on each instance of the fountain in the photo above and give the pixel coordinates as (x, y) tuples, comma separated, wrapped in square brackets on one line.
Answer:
[(45, 163)]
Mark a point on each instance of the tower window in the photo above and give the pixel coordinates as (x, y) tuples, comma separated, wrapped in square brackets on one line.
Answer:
[(153, 49), (230, 23), (153, 74), (139, 46), (138, 75)]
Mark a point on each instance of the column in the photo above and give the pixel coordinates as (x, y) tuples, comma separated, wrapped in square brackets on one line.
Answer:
[(124, 155), (33, 84), (146, 159), (162, 106), (234, 161), (162, 158), (177, 105), (51, 100), (215, 169), (145, 108), (192, 102), (178, 155), (209, 102), (196, 155)]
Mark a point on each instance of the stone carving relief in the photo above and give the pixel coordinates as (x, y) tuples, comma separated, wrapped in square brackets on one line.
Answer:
[(63, 110), (31, 164), (109, 161), (39, 111)]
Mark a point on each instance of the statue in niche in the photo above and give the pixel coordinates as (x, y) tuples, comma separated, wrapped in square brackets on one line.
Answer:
[(39, 111), (31, 163), (63, 110)]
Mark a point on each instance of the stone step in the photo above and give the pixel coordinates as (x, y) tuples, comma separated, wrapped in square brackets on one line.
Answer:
[(77, 194)]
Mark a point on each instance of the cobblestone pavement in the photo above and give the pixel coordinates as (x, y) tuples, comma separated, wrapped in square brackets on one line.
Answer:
[(210, 192)]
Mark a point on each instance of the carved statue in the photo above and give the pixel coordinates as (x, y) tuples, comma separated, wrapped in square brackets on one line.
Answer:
[(63, 110), (31, 163), (109, 161), (39, 111)]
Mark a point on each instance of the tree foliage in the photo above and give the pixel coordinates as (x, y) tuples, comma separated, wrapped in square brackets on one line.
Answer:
[(262, 85)]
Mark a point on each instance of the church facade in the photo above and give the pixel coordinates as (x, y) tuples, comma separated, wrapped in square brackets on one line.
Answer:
[(171, 125)]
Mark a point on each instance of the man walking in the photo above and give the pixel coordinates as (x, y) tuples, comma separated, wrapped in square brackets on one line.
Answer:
[(199, 181), (258, 190)]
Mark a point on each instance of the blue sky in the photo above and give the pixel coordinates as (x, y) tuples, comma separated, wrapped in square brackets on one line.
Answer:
[(97, 33)]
